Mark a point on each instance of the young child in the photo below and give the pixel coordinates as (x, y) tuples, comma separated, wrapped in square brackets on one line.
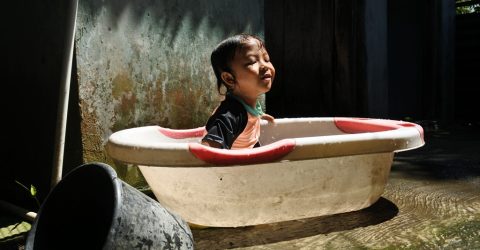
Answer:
[(241, 64)]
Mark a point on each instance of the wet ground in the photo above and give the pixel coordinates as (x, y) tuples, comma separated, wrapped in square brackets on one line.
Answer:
[(431, 201)]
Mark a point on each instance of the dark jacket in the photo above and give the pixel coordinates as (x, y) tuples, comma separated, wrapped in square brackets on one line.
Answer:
[(227, 123)]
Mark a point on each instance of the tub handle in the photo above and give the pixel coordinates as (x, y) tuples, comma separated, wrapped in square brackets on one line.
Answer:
[(264, 154), (362, 125)]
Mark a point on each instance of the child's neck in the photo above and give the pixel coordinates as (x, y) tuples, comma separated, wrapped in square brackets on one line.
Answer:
[(252, 102), (255, 110)]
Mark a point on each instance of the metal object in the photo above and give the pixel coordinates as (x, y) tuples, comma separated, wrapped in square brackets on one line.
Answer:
[(91, 208)]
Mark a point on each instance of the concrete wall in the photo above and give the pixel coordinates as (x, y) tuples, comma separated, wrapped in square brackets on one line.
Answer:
[(148, 62)]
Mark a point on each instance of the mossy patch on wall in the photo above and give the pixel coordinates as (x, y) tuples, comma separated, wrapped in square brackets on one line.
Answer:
[(148, 63)]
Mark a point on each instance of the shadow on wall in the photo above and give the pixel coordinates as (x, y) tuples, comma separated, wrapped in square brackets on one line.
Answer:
[(148, 63), (172, 13)]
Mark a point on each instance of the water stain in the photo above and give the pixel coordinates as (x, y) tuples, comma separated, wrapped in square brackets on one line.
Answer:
[(121, 85)]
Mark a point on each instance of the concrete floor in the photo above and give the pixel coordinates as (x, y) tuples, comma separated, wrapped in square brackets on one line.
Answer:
[(431, 201)]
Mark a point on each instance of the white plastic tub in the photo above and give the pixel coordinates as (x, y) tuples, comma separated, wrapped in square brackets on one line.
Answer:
[(307, 167)]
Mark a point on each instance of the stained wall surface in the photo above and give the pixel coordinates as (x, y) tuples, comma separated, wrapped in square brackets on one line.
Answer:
[(148, 63)]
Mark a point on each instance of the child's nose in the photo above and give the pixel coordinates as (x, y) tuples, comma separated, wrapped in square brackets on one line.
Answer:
[(263, 67)]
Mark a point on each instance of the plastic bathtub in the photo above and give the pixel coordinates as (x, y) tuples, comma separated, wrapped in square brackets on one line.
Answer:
[(307, 167)]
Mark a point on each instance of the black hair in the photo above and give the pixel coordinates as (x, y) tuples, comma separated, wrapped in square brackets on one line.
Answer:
[(224, 53)]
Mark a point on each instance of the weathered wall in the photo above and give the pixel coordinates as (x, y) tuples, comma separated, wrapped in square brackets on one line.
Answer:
[(148, 62)]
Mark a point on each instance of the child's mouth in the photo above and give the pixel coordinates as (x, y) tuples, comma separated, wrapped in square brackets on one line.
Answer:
[(266, 77)]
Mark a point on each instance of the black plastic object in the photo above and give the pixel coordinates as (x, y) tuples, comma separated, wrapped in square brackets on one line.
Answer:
[(91, 208)]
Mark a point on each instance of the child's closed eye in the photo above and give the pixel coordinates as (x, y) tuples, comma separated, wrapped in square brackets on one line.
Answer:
[(250, 63)]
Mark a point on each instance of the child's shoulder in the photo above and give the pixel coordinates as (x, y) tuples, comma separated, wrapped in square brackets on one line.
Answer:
[(230, 112), (231, 105)]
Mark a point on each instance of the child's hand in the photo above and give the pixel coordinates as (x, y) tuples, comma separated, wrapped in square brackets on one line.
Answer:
[(268, 117)]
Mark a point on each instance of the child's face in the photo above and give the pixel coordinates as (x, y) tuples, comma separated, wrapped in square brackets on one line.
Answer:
[(252, 70)]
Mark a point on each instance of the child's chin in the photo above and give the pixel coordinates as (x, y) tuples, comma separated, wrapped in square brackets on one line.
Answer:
[(268, 86)]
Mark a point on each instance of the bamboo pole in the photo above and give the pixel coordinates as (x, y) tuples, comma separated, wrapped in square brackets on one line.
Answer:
[(61, 126)]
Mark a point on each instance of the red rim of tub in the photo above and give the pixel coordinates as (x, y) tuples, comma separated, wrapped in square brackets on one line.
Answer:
[(362, 125), (279, 149)]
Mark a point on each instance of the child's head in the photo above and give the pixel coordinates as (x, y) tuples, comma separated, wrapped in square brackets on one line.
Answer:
[(242, 59)]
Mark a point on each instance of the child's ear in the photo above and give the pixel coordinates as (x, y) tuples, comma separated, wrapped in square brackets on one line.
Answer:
[(228, 79)]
